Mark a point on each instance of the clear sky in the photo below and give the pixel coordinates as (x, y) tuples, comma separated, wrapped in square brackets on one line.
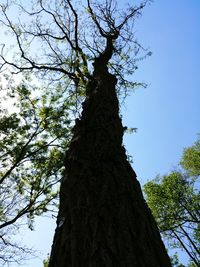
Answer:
[(167, 112)]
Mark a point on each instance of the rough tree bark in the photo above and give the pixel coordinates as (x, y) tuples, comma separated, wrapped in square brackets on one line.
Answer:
[(103, 219)]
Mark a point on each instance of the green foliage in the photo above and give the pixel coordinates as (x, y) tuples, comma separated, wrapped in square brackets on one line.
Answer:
[(174, 200), (34, 135), (46, 262), (175, 261), (191, 159)]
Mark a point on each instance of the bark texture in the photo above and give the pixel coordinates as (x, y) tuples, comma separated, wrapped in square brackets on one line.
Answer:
[(103, 219)]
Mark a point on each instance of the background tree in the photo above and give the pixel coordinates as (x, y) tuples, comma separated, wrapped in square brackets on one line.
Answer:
[(174, 200), (103, 219), (191, 159), (33, 140)]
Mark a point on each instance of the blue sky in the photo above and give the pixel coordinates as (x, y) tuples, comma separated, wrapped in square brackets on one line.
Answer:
[(167, 112)]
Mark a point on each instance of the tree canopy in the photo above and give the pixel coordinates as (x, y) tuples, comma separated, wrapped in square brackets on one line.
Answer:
[(60, 40), (174, 199), (33, 140), (191, 159)]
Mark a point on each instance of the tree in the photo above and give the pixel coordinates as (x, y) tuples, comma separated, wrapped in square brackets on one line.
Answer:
[(174, 199), (33, 140), (191, 159), (46, 262), (103, 219)]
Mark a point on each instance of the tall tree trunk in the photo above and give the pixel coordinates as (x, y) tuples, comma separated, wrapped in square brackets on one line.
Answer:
[(103, 218)]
